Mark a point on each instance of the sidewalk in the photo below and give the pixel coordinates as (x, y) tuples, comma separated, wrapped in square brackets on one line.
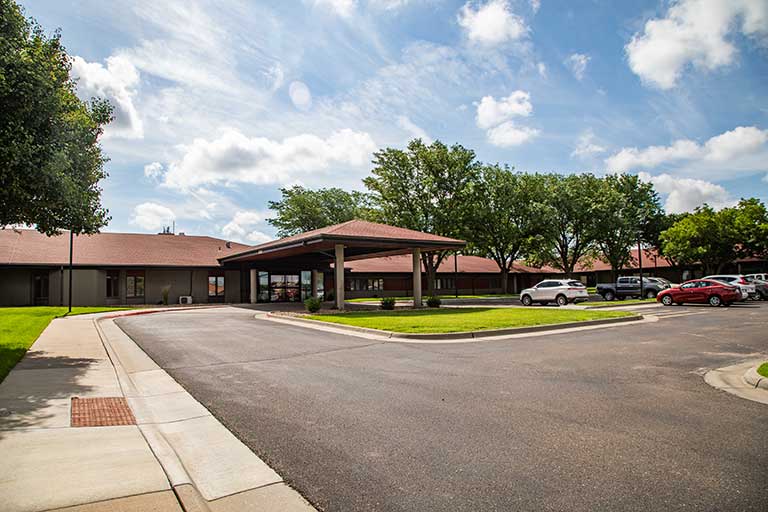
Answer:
[(156, 448)]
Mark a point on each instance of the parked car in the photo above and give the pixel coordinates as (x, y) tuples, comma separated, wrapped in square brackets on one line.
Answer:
[(747, 289), (630, 287), (664, 281), (560, 291), (760, 277), (701, 291), (761, 285)]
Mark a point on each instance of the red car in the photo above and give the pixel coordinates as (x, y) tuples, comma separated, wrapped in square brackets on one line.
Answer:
[(700, 291)]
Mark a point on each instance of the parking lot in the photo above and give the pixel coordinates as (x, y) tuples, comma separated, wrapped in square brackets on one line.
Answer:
[(615, 418)]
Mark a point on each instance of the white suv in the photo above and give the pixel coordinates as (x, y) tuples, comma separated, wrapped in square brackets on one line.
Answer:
[(747, 289), (560, 291)]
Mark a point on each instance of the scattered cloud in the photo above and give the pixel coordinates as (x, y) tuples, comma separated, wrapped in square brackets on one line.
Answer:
[(343, 8), (492, 112), (116, 82), (508, 134), (154, 170), (577, 63), (685, 194), (152, 216), (235, 158), (693, 32), (413, 130), (535, 5), (586, 146), (242, 228), (542, 69), (388, 5), (744, 148), (300, 95), (491, 23)]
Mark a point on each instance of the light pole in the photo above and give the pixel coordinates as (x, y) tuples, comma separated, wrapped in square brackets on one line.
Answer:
[(71, 242)]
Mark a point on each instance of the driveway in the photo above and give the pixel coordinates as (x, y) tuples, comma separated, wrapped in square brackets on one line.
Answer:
[(610, 419)]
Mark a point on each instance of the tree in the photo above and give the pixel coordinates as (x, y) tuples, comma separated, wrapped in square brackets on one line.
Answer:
[(50, 159), (623, 207), (302, 209), (426, 188), (570, 214), (655, 225), (716, 238), (505, 218)]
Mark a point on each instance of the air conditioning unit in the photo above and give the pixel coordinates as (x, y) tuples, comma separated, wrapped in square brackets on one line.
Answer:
[(185, 299)]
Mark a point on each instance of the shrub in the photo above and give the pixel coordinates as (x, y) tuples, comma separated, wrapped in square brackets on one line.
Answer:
[(313, 304), (388, 303), (433, 302), (166, 292)]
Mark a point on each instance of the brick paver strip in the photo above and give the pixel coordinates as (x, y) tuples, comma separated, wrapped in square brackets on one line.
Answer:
[(101, 412)]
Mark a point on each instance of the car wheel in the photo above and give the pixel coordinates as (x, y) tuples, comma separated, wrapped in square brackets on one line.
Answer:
[(561, 300), (650, 294), (609, 296), (526, 300), (715, 301), (667, 300)]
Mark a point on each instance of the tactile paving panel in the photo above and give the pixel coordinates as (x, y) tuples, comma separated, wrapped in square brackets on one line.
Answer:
[(101, 412)]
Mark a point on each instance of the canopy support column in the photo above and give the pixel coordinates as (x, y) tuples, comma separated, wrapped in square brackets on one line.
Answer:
[(417, 278), (254, 286), (315, 275), (338, 266)]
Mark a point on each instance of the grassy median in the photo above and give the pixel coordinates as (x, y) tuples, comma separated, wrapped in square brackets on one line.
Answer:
[(617, 303), (763, 369), (487, 296), (20, 327), (462, 319)]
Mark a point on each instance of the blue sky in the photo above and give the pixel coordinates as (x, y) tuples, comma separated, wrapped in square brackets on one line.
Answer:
[(219, 104)]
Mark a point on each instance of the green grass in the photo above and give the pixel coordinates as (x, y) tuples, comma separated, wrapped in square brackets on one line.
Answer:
[(627, 302), (763, 369), (20, 327), (487, 296), (462, 319)]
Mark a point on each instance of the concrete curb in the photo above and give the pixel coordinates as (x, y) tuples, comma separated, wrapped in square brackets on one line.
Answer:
[(208, 467), (754, 379), (732, 379), (456, 335)]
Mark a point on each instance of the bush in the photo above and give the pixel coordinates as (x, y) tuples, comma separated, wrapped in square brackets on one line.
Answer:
[(433, 302), (313, 304), (166, 291), (388, 303)]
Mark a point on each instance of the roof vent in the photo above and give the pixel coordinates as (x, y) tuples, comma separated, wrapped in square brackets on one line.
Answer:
[(229, 244), (182, 233)]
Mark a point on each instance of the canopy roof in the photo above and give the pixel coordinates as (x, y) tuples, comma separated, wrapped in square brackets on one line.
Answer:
[(361, 239)]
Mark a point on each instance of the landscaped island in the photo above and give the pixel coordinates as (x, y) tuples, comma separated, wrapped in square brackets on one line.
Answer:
[(462, 319)]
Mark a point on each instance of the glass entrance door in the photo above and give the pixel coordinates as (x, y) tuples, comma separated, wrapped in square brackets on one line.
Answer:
[(284, 288)]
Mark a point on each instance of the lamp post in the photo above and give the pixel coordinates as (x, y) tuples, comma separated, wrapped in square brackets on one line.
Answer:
[(71, 242)]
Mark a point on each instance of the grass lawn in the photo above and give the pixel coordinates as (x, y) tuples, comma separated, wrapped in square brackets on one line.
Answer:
[(627, 302), (763, 369), (462, 319), (488, 296), (20, 327)]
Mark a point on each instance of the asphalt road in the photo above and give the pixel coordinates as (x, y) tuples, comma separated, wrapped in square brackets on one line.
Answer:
[(613, 419)]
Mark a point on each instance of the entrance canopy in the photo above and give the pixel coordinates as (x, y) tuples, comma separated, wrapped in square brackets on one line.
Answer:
[(352, 240)]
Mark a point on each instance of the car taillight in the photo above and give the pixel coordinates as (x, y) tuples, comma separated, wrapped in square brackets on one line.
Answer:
[(743, 281)]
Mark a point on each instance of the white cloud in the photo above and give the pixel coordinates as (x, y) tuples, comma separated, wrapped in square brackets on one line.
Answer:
[(152, 216), (744, 148), (577, 63), (117, 82), (507, 134), (389, 5), (242, 228), (765, 178), (685, 194), (693, 32), (236, 158), (415, 131), (542, 69), (154, 170), (492, 23), (343, 8), (300, 95), (491, 112), (535, 5), (586, 146)]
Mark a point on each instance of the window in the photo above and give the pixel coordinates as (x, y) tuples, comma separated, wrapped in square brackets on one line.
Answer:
[(576, 284), (113, 284), (215, 285), (358, 284), (134, 283), (445, 283)]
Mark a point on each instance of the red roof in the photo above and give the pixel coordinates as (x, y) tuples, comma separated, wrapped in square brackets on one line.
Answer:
[(29, 247), (359, 229), (403, 264)]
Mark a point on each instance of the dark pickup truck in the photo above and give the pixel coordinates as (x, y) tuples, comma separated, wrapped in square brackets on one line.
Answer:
[(630, 287)]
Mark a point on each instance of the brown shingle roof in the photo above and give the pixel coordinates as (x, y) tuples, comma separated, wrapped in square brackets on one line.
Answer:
[(29, 247), (403, 264)]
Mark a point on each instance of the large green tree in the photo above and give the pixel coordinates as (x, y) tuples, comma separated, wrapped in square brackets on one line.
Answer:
[(301, 209), (571, 218), (623, 207), (505, 219), (50, 159), (716, 238), (426, 188)]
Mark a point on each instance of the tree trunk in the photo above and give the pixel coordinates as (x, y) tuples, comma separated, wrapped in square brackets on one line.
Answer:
[(504, 281), (431, 278)]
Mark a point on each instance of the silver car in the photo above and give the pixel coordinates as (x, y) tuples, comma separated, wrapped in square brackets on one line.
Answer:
[(559, 291), (747, 289)]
